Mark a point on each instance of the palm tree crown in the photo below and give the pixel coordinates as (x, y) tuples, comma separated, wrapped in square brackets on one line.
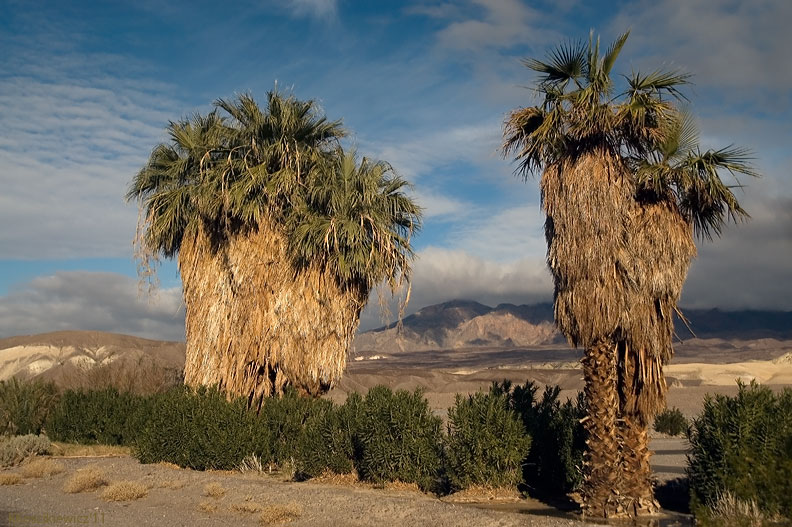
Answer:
[(580, 113), (281, 165)]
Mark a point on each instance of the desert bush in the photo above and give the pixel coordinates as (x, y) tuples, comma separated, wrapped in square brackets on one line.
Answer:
[(41, 468), (328, 441), (672, 422), (104, 416), (197, 429), (14, 450), (125, 491), (486, 442), (85, 480), (741, 447), (24, 406), (399, 439), (10, 478), (555, 460), (281, 425)]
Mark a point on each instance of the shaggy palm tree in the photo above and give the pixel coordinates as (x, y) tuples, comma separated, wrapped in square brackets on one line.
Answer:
[(624, 188), (280, 237)]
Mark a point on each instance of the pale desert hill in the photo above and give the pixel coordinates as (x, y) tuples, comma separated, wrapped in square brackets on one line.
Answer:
[(65, 354)]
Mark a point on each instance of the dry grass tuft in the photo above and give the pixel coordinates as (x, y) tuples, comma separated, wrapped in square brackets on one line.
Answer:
[(346, 480), (207, 506), (125, 491), (247, 507), (41, 468), (75, 450), (168, 464), (275, 514), (85, 480), (214, 490), (402, 486), (172, 484), (477, 494), (10, 478)]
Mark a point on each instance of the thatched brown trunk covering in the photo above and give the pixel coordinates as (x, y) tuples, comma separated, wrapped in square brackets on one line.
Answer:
[(255, 324), (618, 261)]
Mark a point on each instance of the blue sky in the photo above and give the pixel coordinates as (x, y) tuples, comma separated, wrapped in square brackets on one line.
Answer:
[(87, 88)]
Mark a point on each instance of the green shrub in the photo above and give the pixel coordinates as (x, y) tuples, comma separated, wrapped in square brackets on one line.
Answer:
[(197, 429), (486, 442), (555, 462), (672, 422), (281, 425), (328, 441), (107, 417), (14, 450), (24, 406), (399, 439), (742, 447)]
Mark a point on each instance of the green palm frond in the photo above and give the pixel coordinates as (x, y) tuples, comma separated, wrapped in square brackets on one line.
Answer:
[(358, 221), (565, 63), (280, 165), (642, 125)]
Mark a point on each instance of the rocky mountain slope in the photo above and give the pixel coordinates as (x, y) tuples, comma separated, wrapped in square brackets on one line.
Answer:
[(467, 324)]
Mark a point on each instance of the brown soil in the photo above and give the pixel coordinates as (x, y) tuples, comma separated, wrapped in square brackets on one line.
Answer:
[(250, 499)]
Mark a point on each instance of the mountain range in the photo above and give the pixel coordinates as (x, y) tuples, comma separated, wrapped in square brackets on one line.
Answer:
[(469, 324), (454, 325)]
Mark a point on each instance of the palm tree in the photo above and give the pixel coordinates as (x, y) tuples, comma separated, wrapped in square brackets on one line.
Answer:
[(625, 189), (280, 238)]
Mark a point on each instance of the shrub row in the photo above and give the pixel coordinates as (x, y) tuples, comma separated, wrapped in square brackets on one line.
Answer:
[(383, 436), (741, 452)]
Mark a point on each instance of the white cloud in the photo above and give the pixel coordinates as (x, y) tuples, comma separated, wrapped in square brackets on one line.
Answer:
[(440, 275), (91, 301), (498, 24)]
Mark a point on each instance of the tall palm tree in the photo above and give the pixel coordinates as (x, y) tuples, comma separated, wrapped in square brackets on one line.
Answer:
[(625, 189), (280, 238)]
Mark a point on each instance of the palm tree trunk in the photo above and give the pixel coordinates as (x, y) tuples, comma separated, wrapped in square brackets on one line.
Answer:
[(640, 381), (602, 466), (636, 472)]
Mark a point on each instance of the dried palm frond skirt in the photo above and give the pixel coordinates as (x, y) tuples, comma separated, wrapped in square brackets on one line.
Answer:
[(255, 324)]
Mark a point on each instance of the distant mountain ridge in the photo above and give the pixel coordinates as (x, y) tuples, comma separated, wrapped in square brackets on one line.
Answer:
[(469, 324)]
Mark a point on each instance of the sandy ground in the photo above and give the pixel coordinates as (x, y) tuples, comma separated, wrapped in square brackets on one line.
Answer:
[(177, 497)]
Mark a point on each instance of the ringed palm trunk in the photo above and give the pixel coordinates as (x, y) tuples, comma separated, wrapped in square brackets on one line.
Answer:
[(602, 465), (255, 324)]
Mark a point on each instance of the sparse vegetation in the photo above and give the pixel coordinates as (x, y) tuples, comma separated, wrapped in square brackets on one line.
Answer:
[(207, 507), (741, 452), (214, 490), (85, 480), (672, 422), (14, 450), (10, 478), (125, 491), (41, 468), (486, 442), (279, 513)]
